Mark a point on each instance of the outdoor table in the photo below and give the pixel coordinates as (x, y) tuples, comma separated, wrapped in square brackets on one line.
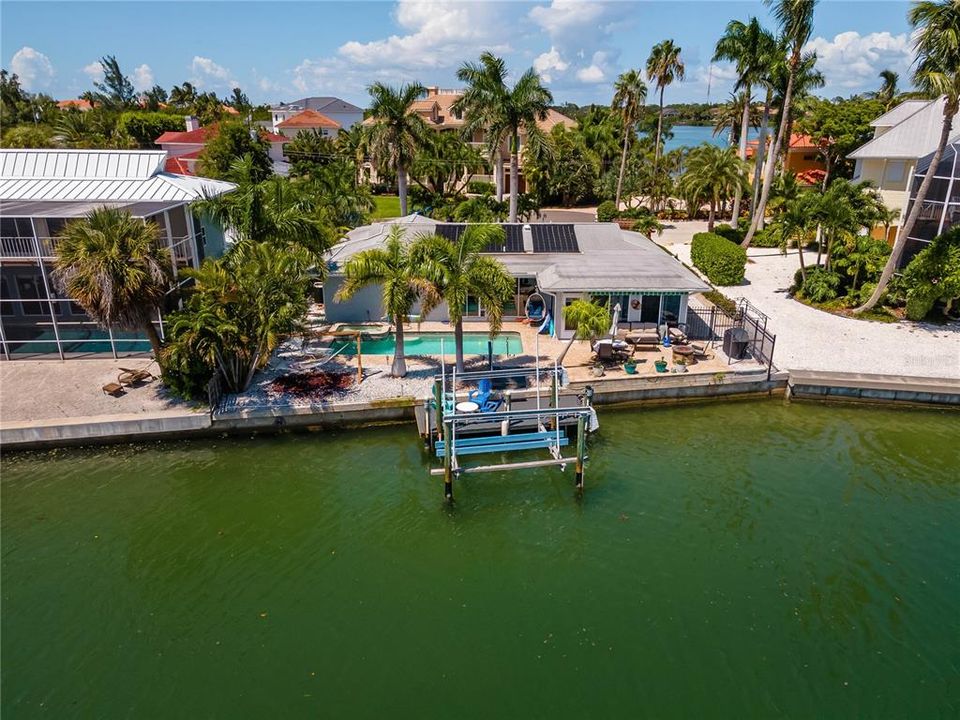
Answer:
[(467, 407)]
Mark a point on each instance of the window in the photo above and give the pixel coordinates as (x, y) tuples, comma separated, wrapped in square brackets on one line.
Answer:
[(16, 227), (30, 289), (6, 306), (895, 171), (671, 309)]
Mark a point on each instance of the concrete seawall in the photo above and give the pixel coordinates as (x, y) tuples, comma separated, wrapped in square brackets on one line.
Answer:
[(666, 389)]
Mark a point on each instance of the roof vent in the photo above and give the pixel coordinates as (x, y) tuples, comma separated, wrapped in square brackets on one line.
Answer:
[(527, 238)]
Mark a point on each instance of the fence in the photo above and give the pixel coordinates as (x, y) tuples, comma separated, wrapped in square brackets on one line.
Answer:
[(709, 323)]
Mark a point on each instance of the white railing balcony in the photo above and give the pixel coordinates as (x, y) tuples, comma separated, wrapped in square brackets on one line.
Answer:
[(26, 247)]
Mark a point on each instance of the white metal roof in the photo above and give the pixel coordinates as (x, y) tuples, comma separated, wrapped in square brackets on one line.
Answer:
[(98, 175), (912, 138), (896, 115)]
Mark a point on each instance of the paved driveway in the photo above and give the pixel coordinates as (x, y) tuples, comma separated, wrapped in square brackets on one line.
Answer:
[(810, 339)]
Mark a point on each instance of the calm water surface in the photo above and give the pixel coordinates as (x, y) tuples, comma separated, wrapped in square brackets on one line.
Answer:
[(740, 560)]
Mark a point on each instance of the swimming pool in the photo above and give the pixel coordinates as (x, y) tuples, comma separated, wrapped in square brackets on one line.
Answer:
[(429, 343)]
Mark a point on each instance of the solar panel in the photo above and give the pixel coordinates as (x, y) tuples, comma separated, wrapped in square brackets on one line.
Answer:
[(451, 231), (513, 242), (554, 238)]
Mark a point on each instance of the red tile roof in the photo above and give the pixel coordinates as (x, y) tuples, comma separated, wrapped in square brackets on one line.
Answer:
[(201, 135), (78, 104), (182, 165), (309, 119)]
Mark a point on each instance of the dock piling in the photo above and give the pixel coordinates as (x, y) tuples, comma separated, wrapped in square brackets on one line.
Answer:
[(581, 449), (447, 463)]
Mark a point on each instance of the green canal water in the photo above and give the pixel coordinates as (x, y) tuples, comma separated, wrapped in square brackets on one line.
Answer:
[(749, 560)]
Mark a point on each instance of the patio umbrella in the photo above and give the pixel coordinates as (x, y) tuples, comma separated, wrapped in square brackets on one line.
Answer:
[(616, 320)]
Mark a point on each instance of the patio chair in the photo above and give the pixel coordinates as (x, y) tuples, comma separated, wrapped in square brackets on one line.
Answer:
[(608, 354), (701, 350), (677, 335), (131, 377), (492, 404), (112, 389), (482, 394)]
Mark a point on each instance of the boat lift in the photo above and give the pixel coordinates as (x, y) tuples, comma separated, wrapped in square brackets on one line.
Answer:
[(452, 434)]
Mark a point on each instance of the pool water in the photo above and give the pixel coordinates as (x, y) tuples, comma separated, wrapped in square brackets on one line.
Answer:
[(739, 560), (429, 343)]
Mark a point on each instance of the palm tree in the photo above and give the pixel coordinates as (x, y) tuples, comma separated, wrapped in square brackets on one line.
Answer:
[(713, 173), (589, 320), (275, 210), (749, 46), (663, 67), (888, 91), (630, 92), (112, 265), (455, 270), (796, 25), (795, 222), (391, 267), (647, 225), (937, 45), (806, 79), (396, 130), (503, 111)]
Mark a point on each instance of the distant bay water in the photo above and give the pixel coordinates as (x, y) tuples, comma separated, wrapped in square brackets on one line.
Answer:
[(693, 135)]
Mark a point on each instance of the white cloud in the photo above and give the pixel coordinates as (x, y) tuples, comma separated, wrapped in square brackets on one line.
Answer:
[(562, 16), (208, 74), (143, 77), (32, 67), (852, 61), (548, 63), (94, 71), (439, 34), (580, 37)]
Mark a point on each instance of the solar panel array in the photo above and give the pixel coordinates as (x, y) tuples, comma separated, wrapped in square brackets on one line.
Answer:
[(512, 244), (554, 238)]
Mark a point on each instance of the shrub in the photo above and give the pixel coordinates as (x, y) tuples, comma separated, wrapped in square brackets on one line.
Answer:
[(607, 211), (766, 238), (730, 233), (481, 187), (723, 262), (721, 301), (821, 285), (635, 213)]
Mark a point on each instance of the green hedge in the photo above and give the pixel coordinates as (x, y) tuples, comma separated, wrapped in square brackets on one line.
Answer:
[(607, 211), (722, 261), (730, 233), (765, 238)]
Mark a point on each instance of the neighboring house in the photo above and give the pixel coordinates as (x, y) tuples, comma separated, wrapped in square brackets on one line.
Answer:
[(941, 206), (803, 158), (436, 110), (561, 261), (81, 105), (345, 114), (901, 137), (42, 190), (308, 120), (183, 147)]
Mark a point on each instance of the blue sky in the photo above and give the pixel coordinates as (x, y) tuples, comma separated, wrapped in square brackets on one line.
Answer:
[(281, 50)]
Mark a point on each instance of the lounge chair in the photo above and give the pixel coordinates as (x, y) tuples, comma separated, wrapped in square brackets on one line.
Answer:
[(482, 394), (607, 353), (131, 377), (492, 404)]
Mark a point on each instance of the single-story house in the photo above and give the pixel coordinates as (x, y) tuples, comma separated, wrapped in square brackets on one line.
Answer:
[(562, 262)]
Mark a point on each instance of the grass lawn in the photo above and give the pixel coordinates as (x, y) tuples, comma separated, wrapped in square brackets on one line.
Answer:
[(388, 206)]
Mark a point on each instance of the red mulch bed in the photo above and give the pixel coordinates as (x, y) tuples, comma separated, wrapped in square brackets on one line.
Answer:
[(312, 385)]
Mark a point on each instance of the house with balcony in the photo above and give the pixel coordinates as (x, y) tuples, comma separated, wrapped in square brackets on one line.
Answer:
[(40, 192), (344, 114), (183, 147), (436, 109), (560, 262), (901, 137), (803, 158)]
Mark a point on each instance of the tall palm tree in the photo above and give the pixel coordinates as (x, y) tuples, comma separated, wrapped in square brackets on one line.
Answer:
[(396, 130), (663, 67), (888, 91), (796, 25), (503, 111), (749, 46), (112, 265), (795, 223), (455, 270), (392, 267), (629, 94), (806, 79), (713, 173), (937, 45)]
